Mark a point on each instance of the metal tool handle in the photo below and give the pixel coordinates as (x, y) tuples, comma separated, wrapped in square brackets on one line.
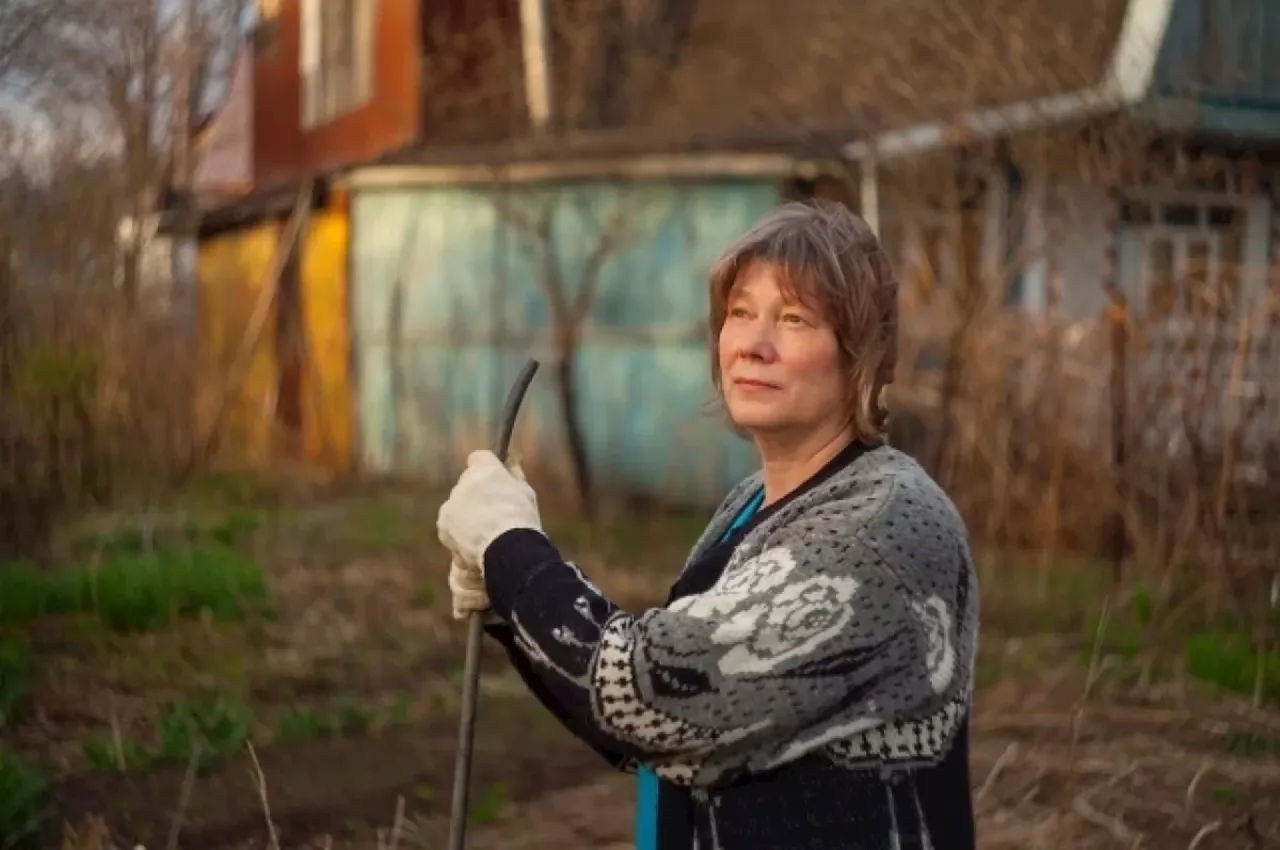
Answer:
[(475, 638)]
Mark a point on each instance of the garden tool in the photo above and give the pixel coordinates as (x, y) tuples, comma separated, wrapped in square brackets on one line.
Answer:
[(475, 637)]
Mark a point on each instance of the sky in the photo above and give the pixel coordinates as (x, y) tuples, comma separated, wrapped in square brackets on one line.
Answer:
[(38, 131)]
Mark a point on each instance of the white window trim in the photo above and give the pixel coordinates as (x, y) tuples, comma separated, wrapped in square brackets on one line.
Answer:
[(1255, 248), (319, 101), (1171, 330)]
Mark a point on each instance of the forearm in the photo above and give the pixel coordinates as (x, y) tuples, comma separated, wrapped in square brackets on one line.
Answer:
[(535, 680), (552, 625)]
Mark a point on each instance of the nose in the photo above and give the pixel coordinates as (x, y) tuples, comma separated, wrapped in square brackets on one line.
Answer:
[(757, 342)]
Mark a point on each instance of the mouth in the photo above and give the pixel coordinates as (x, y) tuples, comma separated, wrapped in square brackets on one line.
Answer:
[(751, 384)]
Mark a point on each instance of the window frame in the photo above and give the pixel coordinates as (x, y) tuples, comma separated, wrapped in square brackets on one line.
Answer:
[(1140, 284), (335, 59)]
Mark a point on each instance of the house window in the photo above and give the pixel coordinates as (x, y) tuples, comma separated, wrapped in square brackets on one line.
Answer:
[(336, 58), (1186, 256)]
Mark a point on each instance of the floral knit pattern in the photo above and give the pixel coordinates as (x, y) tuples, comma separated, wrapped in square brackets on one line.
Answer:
[(843, 624)]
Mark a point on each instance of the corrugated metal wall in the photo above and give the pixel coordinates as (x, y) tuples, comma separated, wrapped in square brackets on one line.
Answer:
[(449, 297)]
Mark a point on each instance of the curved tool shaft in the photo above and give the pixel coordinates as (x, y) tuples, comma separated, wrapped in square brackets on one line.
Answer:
[(475, 637)]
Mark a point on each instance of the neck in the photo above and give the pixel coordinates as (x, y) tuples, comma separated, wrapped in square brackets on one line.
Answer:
[(786, 464)]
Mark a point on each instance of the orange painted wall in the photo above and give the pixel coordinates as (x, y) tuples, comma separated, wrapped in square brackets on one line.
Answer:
[(233, 268), (326, 399)]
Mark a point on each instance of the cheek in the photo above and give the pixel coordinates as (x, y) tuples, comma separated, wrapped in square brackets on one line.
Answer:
[(813, 356), (726, 348), (817, 362)]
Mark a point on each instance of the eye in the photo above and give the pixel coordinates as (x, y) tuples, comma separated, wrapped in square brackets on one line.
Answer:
[(795, 319), (738, 312)]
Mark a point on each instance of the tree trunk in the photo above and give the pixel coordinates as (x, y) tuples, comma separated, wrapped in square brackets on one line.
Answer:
[(1119, 391), (575, 443)]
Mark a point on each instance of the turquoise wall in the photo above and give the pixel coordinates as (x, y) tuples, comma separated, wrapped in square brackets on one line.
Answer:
[(449, 297)]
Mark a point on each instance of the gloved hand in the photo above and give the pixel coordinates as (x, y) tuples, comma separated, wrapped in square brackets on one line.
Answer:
[(488, 500), (466, 587)]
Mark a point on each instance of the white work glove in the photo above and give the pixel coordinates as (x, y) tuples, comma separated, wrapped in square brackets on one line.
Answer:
[(487, 501), (466, 586)]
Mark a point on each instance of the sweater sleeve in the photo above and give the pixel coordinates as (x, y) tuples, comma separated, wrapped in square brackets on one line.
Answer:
[(542, 689), (813, 624)]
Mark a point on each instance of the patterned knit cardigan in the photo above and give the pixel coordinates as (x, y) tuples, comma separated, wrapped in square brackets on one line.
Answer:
[(807, 685)]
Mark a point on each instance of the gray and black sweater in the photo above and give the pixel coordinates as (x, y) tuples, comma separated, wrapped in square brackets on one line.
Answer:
[(806, 686)]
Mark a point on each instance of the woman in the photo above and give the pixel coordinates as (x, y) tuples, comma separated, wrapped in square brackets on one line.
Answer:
[(808, 683)]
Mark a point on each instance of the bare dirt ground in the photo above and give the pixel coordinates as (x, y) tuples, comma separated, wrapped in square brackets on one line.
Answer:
[(1065, 755)]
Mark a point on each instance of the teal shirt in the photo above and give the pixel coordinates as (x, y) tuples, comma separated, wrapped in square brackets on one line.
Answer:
[(647, 781)]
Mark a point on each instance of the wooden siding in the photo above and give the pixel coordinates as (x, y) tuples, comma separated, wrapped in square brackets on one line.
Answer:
[(224, 156), (389, 120), (233, 267), (326, 395), (1221, 61)]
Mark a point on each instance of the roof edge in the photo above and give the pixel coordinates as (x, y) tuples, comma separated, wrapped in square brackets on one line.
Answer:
[(627, 166), (1127, 80)]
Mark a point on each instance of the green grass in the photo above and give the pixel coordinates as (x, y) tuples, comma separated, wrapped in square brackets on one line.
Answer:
[(299, 724), (1222, 656), (16, 663), (378, 524), (1227, 660), (219, 726), (22, 803), (133, 591), (215, 728), (350, 718), (104, 537), (1219, 654), (222, 724), (1015, 603), (104, 754), (489, 804)]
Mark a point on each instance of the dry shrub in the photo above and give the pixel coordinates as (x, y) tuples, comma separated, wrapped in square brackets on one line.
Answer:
[(100, 408), (1202, 482), (1020, 424), (1146, 441)]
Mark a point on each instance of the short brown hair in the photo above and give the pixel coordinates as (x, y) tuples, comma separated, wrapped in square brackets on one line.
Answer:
[(829, 258)]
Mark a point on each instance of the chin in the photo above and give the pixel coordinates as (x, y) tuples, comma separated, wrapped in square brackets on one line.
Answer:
[(756, 421)]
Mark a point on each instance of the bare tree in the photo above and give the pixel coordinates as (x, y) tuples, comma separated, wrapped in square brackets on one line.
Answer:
[(570, 286), (125, 61), (27, 28), (92, 147)]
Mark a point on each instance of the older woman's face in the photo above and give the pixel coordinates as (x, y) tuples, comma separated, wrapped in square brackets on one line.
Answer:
[(779, 360)]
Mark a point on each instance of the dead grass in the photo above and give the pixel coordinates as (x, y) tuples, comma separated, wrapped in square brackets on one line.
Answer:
[(1070, 748), (1050, 769)]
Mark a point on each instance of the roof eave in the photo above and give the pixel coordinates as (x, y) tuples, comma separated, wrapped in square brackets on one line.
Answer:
[(628, 166), (1127, 80)]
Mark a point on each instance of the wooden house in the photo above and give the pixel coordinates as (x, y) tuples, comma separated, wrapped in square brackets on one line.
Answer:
[(497, 178)]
